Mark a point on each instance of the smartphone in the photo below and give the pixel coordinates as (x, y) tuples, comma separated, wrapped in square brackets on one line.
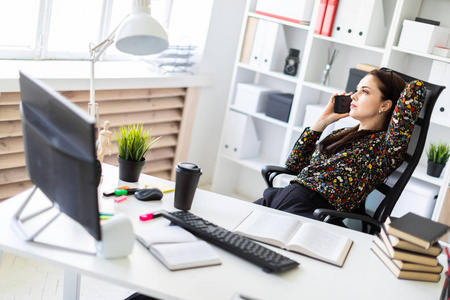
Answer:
[(342, 104)]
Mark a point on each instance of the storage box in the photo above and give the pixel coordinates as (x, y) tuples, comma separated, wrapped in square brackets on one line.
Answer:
[(422, 37), (354, 77), (418, 197), (441, 51), (252, 97), (297, 11), (279, 106), (312, 112)]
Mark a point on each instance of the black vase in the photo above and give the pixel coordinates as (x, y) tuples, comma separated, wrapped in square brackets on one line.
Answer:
[(130, 171), (434, 169)]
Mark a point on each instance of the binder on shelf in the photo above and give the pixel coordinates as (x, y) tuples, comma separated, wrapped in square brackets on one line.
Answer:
[(360, 22), (258, 43), (249, 38), (320, 16), (330, 14), (240, 139), (440, 74), (275, 49), (296, 11), (269, 49)]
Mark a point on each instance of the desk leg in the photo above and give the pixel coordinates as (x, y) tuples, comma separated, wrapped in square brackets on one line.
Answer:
[(72, 282)]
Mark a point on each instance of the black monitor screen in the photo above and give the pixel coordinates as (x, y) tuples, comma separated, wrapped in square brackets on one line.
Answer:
[(59, 141)]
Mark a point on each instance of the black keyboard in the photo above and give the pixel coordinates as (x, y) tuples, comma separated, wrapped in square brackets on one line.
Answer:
[(269, 260)]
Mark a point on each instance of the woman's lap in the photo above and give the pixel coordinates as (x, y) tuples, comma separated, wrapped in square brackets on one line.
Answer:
[(295, 198)]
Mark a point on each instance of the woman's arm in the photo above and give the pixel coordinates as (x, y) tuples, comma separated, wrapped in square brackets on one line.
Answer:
[(403, 119), (303, 149)]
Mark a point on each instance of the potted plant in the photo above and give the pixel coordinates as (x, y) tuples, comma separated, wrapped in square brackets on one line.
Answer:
[(438, 155), (133, 142)]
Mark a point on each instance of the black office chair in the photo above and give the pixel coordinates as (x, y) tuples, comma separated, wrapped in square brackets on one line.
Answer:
[(390, 194)]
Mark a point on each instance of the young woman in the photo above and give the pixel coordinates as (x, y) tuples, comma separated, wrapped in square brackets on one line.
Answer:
[(341, 170)]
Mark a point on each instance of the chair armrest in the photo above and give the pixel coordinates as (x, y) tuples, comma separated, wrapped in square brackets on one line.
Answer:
[(324, 214), (269, 173)]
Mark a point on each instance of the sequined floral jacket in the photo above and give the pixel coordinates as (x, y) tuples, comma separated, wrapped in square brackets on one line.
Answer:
[(347, 177)]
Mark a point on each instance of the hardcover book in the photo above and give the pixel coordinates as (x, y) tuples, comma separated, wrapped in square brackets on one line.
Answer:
[(177, 248), (406, 255), (403, 274), (395, 242), (290, 233), (417, 230)]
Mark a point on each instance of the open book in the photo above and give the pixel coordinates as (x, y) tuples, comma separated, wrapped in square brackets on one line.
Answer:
[(291, 234), (177, 248)]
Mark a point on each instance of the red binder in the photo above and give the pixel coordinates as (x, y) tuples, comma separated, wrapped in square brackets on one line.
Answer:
[(320, 16), (328, 21)]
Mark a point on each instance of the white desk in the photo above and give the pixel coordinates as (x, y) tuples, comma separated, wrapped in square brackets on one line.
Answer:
[(363, 276)]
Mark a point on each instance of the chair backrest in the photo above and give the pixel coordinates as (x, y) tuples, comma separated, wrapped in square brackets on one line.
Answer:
[(414, 152)]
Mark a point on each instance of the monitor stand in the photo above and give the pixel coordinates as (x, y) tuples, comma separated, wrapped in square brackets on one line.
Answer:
[(117, 232)]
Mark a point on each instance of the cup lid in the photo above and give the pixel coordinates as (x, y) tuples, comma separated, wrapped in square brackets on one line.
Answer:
[(190, 167)]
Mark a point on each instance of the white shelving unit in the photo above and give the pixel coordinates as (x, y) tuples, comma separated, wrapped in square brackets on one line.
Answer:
[(242, 177)]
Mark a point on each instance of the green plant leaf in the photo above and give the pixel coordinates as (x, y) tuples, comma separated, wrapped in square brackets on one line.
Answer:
[(134, 141), (438, 152)]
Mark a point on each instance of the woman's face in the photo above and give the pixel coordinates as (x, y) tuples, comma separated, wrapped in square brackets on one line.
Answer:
[(367, 100)]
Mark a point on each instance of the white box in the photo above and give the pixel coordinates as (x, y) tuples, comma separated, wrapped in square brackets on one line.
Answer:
[(312, 112), (422, 37), (252, 97), (296, 11), (441, 51), (418, 197)]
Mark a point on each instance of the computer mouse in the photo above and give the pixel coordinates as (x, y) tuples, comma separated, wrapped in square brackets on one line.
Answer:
[(148, 194)]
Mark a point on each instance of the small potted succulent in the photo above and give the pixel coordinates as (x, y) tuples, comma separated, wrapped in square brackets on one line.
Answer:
[(438, 155), (133, 142)]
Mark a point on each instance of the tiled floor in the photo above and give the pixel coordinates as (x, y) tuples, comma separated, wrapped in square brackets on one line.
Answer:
[(26, 279)]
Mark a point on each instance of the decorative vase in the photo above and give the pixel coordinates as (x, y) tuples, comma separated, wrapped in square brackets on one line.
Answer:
[(434, 169), (130, 171)]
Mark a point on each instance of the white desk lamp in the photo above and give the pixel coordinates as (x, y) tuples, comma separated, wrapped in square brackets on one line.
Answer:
[(137, 34)]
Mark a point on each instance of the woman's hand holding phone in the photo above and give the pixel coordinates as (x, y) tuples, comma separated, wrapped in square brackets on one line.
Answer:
[(329, 115)]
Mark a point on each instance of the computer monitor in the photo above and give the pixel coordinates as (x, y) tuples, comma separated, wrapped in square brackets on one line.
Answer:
[(59, 141)]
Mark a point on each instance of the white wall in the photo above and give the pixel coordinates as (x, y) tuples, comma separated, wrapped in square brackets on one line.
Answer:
[(218, 60)]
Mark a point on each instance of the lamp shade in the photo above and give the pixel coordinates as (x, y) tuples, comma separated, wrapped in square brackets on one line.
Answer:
[(141, 34)]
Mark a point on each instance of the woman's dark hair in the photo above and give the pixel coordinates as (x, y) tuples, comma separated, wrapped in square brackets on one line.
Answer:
[(391, 85)]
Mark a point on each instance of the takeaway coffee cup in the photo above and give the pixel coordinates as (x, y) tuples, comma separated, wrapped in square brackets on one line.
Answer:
[(186, 181)]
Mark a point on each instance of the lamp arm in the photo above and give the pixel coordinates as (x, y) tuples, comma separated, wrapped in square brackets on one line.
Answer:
[(96, 52)]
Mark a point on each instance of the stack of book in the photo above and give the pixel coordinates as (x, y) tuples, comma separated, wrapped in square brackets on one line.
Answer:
[(408, 247)]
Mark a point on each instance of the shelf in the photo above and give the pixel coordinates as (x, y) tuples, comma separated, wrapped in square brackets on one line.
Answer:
[(350, 44), (275, 74), (421, 54), (279, 21), (441, 123), (421, 173), (260, 116), (323, 88), (255, 163)]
